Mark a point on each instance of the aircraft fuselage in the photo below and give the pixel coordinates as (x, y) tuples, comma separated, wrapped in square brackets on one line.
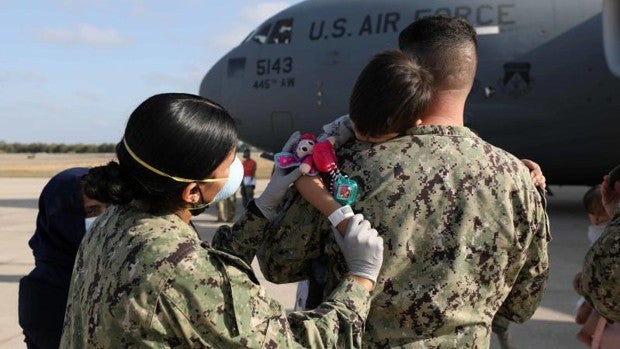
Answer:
[(543, 89)]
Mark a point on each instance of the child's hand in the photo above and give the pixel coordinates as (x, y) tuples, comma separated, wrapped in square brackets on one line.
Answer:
[(340, 130)]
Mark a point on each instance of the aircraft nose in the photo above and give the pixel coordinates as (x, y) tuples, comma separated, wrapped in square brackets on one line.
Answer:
[(212, 83)]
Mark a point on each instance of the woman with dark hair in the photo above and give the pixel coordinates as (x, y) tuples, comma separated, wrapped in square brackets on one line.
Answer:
[(143, 278), (65, 212)]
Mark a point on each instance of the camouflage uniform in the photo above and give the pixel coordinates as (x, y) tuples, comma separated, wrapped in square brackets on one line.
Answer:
[(465, 235), (600, 279), (146, 281)]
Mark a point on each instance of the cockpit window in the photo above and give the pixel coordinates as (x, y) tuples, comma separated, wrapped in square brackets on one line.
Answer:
[(281, 33), (250, 36), (261, 33), (268, 33)]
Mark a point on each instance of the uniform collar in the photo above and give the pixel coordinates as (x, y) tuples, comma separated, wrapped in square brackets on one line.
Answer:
[(437, 130)]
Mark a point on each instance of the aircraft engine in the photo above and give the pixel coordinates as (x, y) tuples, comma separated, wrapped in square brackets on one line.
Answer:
[(611, 34)]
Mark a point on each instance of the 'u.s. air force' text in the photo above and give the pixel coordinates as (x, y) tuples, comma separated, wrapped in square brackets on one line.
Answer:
[(275, 72), (390, 22)]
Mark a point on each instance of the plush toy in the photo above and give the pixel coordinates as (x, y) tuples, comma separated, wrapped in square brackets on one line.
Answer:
[(313, 156), (301, 156)]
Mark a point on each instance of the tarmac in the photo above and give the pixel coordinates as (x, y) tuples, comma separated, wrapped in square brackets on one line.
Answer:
[(551, 327)]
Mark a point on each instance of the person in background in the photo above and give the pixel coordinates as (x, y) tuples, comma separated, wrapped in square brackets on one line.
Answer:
[(598, 217), (66, 212), (249, 177), (226, 209), (144, 278), (597, 332)]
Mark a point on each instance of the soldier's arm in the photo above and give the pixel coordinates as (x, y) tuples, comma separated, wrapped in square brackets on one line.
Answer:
[(215, 304), (293, 240), (529, 286), (245, 236), (337, 322)]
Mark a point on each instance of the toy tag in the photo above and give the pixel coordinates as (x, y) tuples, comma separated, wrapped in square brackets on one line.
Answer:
[(345, 190)]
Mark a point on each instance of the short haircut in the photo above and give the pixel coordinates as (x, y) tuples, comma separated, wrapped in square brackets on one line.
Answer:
[(593, 200), (446, 46), (391, 92)]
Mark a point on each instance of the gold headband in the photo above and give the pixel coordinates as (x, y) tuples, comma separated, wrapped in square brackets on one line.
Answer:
[(161, 173)]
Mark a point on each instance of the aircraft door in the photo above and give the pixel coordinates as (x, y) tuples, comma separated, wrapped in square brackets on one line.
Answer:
[(611, 34)]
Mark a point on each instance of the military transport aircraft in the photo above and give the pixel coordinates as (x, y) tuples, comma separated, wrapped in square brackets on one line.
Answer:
[(547, 86)]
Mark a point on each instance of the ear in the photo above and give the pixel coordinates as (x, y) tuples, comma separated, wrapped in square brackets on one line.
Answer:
[(191, 193), (418, 122)]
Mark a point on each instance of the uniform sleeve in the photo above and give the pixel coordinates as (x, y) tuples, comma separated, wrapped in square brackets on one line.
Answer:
[(337, 322), (243, 238), (529, 286), (600, 278), (292, 241), (215, 304)]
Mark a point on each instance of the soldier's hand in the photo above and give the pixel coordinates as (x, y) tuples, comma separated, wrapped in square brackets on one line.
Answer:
[(362, 248), (536, 173), (280, 180), (611, 197)]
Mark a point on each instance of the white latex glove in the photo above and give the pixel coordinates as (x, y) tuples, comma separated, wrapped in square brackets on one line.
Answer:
[(362, 248), (340, 130), (280, 180)]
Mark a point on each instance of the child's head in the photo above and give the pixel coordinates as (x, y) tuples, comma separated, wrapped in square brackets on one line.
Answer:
[(592, 201), (391, 93)]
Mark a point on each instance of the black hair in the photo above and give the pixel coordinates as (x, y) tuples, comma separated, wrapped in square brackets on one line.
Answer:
[(104, 184), (446, 46), (391, 92), (182, 135), (593, 200)]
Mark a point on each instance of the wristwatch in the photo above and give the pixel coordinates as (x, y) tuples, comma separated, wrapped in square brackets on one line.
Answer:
[(340, 215)]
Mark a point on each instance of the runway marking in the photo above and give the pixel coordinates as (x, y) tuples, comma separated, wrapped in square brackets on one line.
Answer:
[(546, 314)]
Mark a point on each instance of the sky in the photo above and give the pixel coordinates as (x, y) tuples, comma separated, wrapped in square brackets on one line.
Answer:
[(72, 71)]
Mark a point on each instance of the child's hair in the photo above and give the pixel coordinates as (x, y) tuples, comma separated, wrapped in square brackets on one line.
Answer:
[(593, 200), (392, 92)]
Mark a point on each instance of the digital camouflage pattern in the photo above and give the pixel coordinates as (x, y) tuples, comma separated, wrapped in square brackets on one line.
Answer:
[(465, 234), (148, 281), (600, 279)]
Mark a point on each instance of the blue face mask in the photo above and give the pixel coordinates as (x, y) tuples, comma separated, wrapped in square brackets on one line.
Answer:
[(235, 176)]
